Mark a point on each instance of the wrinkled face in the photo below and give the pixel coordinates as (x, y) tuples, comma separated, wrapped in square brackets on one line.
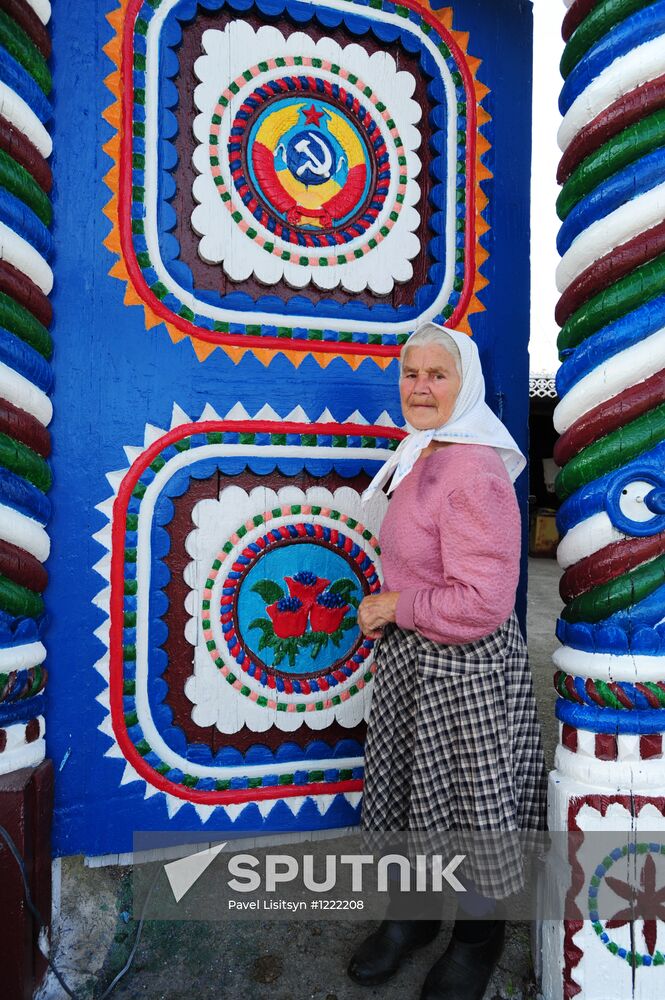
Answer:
[(429, 386)]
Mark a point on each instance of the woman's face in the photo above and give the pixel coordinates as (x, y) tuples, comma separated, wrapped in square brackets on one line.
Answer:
[(429, 386)]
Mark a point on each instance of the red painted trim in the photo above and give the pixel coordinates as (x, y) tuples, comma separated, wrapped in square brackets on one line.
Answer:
[(652, 700), (610, 415), (614, 265), (569, 684), (25, 153), (117, 579), (17, 285), (279, 343), (25, 17), (651, 746), (22, 567), (625, 111), (620, 695), (603, 566), (569, 737), (24, 427), (595, 697), (606, 746), (575, 15), (472, 132)]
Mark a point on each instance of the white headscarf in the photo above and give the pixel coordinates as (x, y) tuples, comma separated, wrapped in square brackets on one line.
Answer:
[(471, 422)]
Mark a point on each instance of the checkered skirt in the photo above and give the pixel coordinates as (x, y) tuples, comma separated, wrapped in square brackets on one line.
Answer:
[(453, 740)]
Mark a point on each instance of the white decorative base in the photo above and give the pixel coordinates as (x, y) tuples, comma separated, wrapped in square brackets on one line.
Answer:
[(588, 958)]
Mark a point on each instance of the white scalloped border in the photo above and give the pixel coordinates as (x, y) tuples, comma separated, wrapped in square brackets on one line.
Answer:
[(151, 434), (214, 524), (226, 315), (228, 54)]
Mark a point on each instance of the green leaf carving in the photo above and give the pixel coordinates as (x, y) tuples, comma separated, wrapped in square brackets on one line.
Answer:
[(280, 653), (268, 590), (262, 623), (343, 586)]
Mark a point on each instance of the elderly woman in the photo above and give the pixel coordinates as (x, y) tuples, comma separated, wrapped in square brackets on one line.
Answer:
[(453, 741)]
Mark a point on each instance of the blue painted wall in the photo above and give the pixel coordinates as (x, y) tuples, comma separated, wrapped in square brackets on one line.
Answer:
[(113, 377)]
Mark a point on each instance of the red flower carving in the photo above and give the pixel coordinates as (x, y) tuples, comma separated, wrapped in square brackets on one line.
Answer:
[(306, 586), (327, 612), (289, 617)]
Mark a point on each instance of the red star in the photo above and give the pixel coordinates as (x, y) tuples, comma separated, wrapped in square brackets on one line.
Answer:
[(312, 116), (646, 903)]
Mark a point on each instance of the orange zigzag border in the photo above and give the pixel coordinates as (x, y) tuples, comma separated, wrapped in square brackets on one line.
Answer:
[(203, 349)]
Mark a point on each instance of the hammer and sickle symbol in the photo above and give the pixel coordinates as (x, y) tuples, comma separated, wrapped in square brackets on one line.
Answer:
[(319, 167)]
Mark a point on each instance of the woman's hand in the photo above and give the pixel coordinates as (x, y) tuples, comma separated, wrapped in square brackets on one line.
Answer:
[(376, 611)]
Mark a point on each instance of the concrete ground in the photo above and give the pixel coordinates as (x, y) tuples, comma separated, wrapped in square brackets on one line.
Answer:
[(266, 960), (543, 608)]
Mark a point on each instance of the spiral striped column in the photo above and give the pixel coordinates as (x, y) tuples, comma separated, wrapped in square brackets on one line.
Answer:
[(610, 667), (25, 373)]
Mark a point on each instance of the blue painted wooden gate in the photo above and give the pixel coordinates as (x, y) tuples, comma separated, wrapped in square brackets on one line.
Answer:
[(255, 202)]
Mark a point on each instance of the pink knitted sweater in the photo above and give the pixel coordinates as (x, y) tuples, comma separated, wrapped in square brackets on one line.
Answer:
[(450, 544)]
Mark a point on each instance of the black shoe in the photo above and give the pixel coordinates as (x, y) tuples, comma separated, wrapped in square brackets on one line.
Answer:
[(380, 955), (465, 969)]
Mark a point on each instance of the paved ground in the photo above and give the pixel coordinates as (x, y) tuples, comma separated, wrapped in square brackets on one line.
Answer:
[(543, 607), (266, 960)]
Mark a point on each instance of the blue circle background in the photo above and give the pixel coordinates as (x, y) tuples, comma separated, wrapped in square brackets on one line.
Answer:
[(280, 562), (294, 157)]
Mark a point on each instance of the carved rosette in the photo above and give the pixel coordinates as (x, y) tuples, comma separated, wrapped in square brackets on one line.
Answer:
[(291, 200), (312, 155), (237, 552)]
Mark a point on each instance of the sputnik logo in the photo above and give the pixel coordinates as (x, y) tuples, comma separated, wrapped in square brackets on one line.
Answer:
[(183, 873)]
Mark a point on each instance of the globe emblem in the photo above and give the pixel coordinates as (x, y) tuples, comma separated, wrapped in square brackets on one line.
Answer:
[(310, 157)]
